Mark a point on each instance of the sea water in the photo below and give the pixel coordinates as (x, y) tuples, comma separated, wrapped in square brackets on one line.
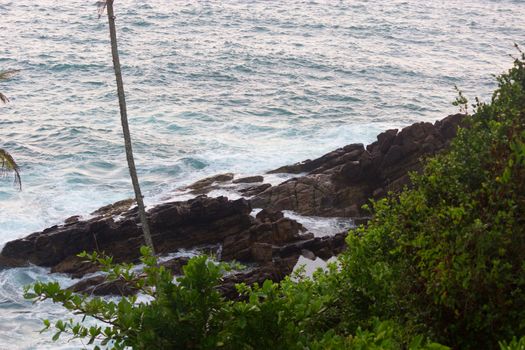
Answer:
[(216, 86)]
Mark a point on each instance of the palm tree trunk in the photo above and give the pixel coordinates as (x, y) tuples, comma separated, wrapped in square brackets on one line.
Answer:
[(125, 126)]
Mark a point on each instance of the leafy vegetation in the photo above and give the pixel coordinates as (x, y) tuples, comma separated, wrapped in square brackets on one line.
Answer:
[(443, 261), (7, 162), (192, 314), (447, 258)]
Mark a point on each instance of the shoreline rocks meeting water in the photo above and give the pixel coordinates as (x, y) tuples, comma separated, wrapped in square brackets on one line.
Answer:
[(269, 243)]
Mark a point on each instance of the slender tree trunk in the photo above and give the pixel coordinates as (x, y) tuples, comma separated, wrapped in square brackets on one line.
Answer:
[(125, 126)]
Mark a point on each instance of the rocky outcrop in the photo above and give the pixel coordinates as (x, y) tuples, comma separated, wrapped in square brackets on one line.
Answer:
[(279, 263), (210, 183), (248, 179), (270, 242), (336, 184), (340, 182), (198, 222)]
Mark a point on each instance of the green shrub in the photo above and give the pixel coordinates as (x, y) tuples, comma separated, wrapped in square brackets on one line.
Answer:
[(182, 315), (514, 344), (191, 314), (447, 258)]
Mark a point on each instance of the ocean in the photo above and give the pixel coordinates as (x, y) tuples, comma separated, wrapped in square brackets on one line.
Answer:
[(215, 86)]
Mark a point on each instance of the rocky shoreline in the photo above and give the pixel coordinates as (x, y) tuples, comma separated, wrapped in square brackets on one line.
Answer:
[(334, 185)]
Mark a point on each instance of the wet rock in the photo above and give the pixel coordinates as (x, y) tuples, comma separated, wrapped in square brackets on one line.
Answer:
[(248, 179), (254, 190), (308, 254), (239, 247), (309, 165), (324, 247), (394, 155), (175, 265), (272, 263), (282, 264), (275, 271), (362, 221), (386, 139), (200, 222), (75, 266), (262, 252), (352, 171), (174, 225), (269, 215), (100, 285), (340, 182), (210, 183), (72, 219), (336, 184), (110, 209)]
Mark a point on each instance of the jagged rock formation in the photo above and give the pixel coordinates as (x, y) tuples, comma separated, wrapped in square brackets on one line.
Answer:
[(336, 184), (340, 182), (208, 223), (198, 222)]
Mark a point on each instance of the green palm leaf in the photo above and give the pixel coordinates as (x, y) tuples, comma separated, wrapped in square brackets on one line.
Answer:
[(6, 74), (8, 165)]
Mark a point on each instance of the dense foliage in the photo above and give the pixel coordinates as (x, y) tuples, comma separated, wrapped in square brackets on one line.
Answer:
[(444, 260), (447, 258)]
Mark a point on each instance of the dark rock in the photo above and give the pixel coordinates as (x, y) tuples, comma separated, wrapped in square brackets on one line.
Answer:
[(325, 253), (174, 225), (254, 190), (336, 184), (386, 139), (262, 252), (269, 215), (111, 209), (394, 155), (362, 221), (175, 265), (248, 179), (308, 165), (378, 193), (308, 254), (200, 222), (354, 147), (239, 247), (210, 183), (340, 182), (272, 263), (75, 266), (72, 219), (448, 126), (276, 271), (352, 171)]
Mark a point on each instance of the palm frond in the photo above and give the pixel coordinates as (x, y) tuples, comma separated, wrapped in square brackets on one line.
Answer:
[(101, 7), (6, 74), (8, 165)]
